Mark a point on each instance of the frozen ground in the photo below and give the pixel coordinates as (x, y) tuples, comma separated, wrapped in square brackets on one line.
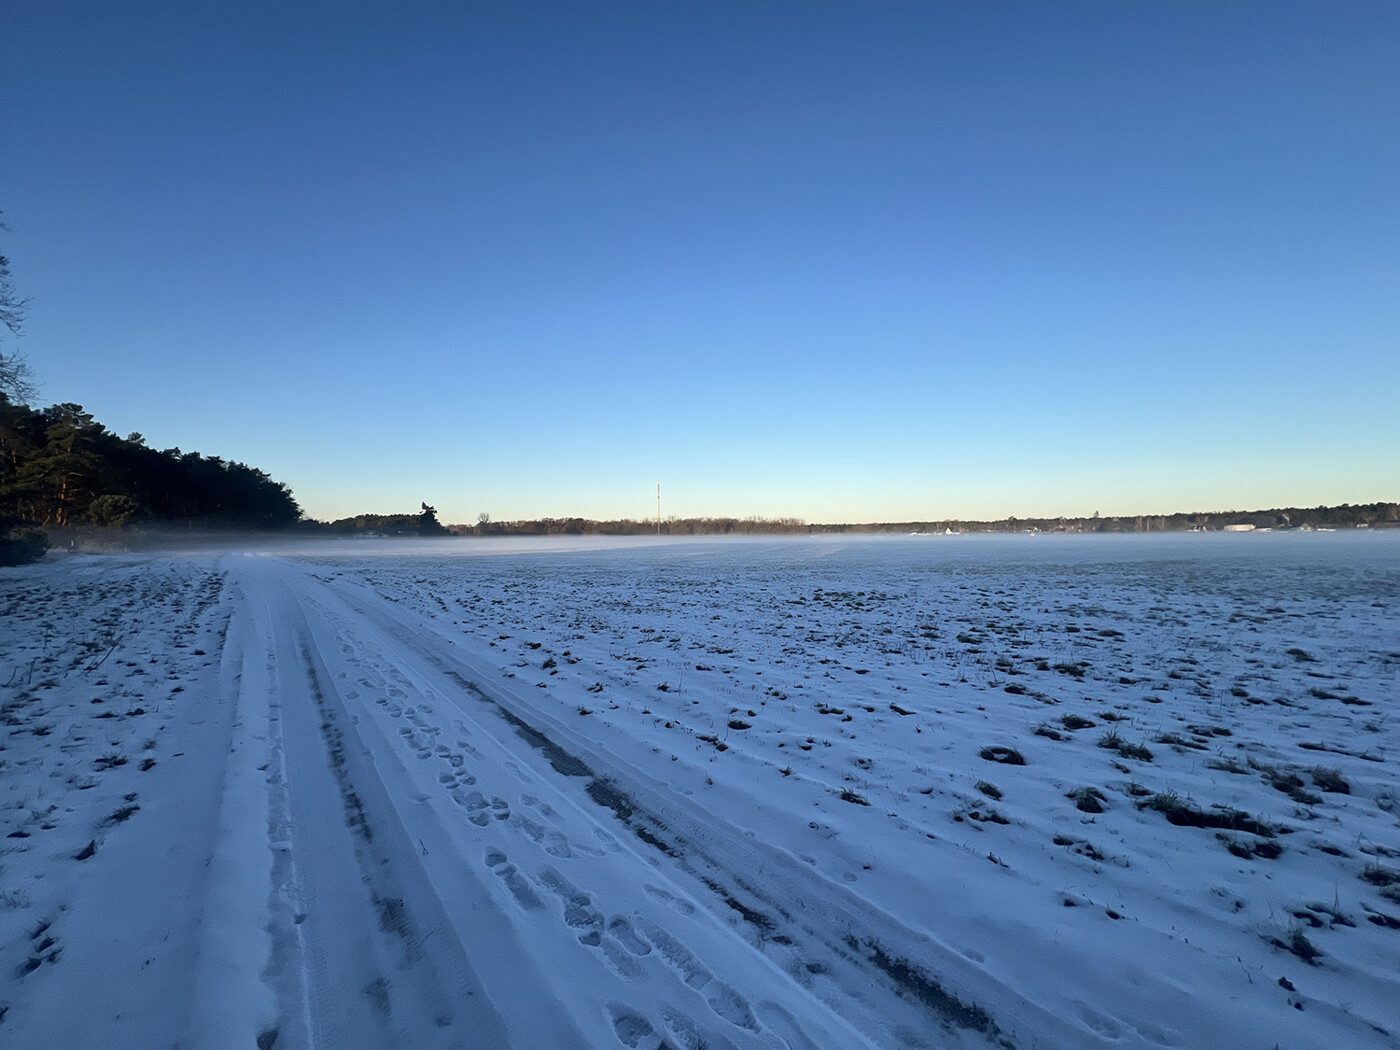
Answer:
[(744, 794)]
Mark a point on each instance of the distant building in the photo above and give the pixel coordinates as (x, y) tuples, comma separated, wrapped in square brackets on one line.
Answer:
[(1239, 528)]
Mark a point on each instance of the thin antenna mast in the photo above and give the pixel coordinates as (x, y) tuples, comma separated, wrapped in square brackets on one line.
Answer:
[(658, 508)]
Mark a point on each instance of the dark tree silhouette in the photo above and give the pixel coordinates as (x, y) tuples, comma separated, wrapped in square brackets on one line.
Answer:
[(59, 467), (16, 379), (428, 524)]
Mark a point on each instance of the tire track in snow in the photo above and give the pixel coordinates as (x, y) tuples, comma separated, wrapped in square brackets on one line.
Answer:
[(887, 980), (291, 956), (787, 936), (592, 944), (229, 993), (351, 967), (494, 820), (316, 953)]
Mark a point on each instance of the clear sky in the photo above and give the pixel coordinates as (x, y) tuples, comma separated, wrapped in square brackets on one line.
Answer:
[(839, 261)]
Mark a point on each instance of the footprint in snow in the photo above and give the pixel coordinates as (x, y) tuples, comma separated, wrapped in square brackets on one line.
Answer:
[(632, 1029), (616, 956), (517, 883), (579, 913), (607, 840), (476, 806), (621, 928), (691, 1036), (656, 893), (480, 811), (680, 958), (784, 1025), (554, 844), (545, 810), (730, 1005)]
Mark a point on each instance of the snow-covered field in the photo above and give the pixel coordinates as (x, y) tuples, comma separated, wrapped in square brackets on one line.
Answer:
[(1027, 792)]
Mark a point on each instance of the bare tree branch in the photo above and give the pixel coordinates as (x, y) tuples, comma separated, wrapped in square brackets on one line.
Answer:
[(16, 377)]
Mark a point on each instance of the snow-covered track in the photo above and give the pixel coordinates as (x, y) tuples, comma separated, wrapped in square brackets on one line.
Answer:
[(465, 830), (852, 968)]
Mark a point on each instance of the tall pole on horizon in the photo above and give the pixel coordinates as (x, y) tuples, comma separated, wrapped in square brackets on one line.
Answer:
[(658, 508)]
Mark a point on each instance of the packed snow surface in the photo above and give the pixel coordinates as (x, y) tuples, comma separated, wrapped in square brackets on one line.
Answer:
[(816, 792)]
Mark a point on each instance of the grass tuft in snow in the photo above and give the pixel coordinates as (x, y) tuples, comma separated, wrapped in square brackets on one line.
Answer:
[(1330, 780), (1087, 799), (1007, 756), (1184, 814), (1296, 942), (119, 816), (1111, 741), (1379, 875)]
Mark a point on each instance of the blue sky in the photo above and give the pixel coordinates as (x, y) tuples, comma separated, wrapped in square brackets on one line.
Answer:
[(837, 261)]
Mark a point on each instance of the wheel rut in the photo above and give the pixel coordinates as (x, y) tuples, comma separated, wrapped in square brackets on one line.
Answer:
[(361, 958), (879, 976)]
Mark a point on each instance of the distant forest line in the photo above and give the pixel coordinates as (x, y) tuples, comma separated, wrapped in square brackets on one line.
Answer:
[(60, 469), (1371, 515)]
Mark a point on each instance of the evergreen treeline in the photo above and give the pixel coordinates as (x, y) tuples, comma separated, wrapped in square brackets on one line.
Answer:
[(1346, 515), (1380, 515), (422, 524), (629, 527), (60, 468)]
